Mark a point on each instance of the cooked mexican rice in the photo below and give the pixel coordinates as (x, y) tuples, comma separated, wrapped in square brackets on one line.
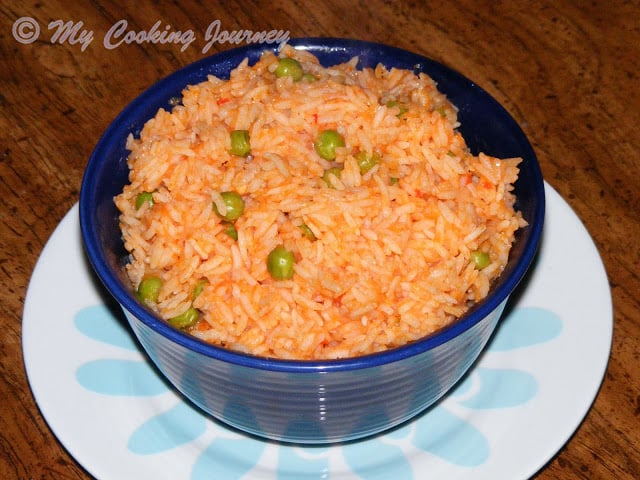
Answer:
[(267, 235)]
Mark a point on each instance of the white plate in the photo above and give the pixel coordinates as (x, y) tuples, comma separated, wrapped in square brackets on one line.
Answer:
[(512, 413)]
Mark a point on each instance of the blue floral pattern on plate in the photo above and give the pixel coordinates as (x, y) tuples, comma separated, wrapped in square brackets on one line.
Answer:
[(235, 455), (478, 432)]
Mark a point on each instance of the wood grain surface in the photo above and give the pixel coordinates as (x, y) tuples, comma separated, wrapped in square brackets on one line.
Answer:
[(567, 71)]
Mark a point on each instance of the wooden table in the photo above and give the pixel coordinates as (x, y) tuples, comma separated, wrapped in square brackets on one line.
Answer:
[(567, 71)]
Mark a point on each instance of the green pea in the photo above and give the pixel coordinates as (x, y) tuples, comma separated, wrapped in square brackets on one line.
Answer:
[(235, 206), (393, 180), (240, 143), (144, 197), (280, 263), (149, 290), (327, 142), (395, 103), (185, 319), (337, 171), (480, 259), (289, 67), (197, 290), (230, 229), (307, 232), (367, 162), (307, 77)]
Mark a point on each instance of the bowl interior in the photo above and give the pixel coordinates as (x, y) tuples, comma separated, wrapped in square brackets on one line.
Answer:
[(486, 126)]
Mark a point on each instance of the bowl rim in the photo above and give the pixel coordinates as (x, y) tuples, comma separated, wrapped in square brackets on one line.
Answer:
[(122, 124)]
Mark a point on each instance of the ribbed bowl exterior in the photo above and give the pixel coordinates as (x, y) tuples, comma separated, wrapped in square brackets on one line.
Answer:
[(322, 406)]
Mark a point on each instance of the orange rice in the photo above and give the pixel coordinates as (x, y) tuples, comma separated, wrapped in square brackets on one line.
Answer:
[(390, 261)]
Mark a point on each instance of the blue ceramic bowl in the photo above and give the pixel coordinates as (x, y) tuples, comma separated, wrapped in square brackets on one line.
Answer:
[(311, 402)]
